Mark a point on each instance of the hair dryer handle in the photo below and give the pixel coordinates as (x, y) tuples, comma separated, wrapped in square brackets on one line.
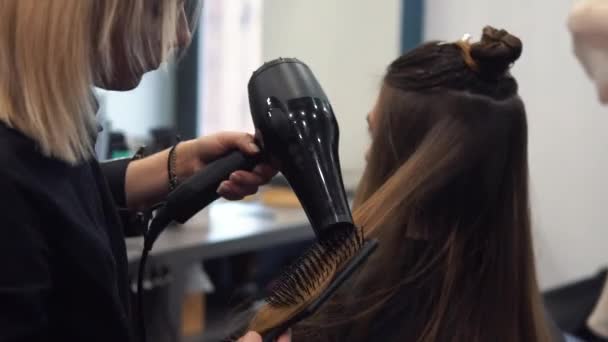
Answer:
[(201, 189)]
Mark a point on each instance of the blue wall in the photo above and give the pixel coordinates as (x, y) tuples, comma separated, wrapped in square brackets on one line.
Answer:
[(412, 24)]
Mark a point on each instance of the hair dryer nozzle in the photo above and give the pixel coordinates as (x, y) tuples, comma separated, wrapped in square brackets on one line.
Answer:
[(296, 126)]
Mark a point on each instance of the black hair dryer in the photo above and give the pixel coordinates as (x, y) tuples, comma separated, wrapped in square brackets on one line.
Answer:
[(298, 132)]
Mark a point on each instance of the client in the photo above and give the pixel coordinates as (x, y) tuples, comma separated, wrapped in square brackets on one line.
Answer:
[(446, 193)]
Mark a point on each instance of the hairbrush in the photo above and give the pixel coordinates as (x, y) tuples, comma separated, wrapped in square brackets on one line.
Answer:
[(301, 279)]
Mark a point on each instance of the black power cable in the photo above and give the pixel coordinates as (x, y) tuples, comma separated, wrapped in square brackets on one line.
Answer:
[(140, 296), (184, 202), (160, 221)]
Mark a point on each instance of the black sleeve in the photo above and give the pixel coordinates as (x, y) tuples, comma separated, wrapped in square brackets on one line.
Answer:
[(115, 172), (25, 279), (134, 222)]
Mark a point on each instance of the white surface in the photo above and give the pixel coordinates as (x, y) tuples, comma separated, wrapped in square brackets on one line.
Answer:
[(231, 40), (347, 44), (568, 129)]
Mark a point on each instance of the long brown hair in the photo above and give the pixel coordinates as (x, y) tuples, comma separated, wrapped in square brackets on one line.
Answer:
[(446, 193)]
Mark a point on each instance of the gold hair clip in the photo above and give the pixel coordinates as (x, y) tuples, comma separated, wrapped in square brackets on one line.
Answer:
[(465, 45), (466, 38)]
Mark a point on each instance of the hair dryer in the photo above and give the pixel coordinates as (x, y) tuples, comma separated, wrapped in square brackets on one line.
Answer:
[(297, 131)]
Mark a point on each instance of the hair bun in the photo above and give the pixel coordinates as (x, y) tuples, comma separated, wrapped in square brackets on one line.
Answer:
[(496, 51)]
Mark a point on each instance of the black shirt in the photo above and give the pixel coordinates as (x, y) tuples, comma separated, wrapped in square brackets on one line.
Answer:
[(63, 264)]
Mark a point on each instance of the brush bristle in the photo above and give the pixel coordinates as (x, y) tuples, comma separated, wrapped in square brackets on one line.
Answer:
[(300, 280)]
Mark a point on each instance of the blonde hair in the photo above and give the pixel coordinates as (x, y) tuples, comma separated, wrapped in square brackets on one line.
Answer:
[(53, 51)]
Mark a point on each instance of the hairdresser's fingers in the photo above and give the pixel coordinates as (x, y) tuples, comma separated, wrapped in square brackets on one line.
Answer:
[(209, 148), (241, 141), (261, 175), (251, 337), (240, 191), (285, 338), (247, 178), (245, 143), (226, 191), (234, 191), (265, 171)]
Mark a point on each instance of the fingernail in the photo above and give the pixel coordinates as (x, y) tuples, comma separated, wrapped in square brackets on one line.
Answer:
[(222, 188), (254, 148), (234, 177)]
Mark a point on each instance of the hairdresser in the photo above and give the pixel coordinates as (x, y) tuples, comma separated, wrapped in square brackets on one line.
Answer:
[(63, 265)]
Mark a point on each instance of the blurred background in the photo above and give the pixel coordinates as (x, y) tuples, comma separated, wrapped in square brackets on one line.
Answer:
[(348, 43)]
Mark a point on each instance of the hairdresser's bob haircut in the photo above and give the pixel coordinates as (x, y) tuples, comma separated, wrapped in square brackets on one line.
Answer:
[(52, 52)]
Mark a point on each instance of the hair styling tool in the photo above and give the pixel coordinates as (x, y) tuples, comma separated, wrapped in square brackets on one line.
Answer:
[(297, 131)]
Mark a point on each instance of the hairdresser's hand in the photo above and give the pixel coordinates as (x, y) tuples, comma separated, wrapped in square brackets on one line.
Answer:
[(146, 181), (197, 153), (255, 337)]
